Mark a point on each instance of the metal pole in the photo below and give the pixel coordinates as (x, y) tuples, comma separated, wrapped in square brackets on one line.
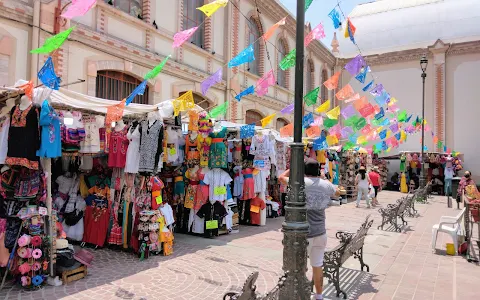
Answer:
[(422, 174), (295, 226)]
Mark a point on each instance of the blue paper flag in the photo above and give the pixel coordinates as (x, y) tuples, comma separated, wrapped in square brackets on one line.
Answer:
[(320, 143), (247, 91), (47, 75), (368, 86), (398, 136), (363, 75), (353, 138), (247, 55), (384, 145), (385, 122), (307, 120), (408, 119), (247, 131), (383, 134), (380, 114), (335, 16), (383, 98), (350, 33), (425, 148), (444, 148), (139, 90)]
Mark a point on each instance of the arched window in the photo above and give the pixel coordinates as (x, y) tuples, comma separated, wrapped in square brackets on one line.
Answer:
[(281, 74), (253, 117), (310, 76), (131, 7), (115, 85), (281, 122), (324, 94), (199, 100), (253, 35), (193, 17)]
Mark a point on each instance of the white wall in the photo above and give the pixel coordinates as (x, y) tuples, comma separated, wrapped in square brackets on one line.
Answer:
[(20, 58), (165, 13)]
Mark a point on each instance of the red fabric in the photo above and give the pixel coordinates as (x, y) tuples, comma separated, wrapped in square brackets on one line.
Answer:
[(202, 192), (117, 155), (375, 178), (248, 185), (255, 217), (95, 231)]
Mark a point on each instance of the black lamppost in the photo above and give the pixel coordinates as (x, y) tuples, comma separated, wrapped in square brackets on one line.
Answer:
[(423, 65), (295, 227)]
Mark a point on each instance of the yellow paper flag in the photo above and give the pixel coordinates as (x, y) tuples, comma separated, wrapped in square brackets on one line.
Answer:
[(361, 139), (332, 140), (388, 149), (210, 8), (324, 107), (267, 120), (392, 101), (403, 136), (186, 100), (389, 134), (334, 113), (177, 107)]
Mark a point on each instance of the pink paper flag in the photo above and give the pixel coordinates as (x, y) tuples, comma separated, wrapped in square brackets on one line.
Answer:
[(272, 29), (78, 8), (264, 82), (318, 121), (180, 37), (316, 34)]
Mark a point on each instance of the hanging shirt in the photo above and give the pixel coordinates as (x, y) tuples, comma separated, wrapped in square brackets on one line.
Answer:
[(256, 206), (217, 179), (50, 146), (212, 212)]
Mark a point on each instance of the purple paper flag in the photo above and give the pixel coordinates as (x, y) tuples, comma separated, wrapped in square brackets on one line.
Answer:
[(211, 81), (377, 90), (346, 132), (180, 37), (288, 109), (348, 111), (355, 65), (264, 82), (394, 128)]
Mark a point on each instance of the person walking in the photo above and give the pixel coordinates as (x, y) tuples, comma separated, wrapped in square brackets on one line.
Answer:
[(362, 181), (376, 183), (318, 192)]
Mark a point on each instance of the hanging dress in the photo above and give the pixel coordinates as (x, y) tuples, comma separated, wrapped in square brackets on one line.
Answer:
[(172, 145), (51, 146), (218, 150), (204, 149), (133, 151), (403, 184), (202, 191), (402, 163), (248, 184), (150, 146), (23, 137), (117, 154), (191, 150), (192, 187)]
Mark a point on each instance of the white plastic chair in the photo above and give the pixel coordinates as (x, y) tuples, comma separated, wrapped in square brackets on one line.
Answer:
[(449, 225)]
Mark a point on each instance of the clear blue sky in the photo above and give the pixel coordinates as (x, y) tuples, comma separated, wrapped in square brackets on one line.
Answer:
[(318, 12)]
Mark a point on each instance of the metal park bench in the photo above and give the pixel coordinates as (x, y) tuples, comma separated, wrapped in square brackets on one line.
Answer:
[(392, 212), (350, 244), (424, 193), (248, 291)]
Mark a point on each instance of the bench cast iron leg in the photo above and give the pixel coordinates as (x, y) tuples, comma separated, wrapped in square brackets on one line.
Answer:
[(359, 255)]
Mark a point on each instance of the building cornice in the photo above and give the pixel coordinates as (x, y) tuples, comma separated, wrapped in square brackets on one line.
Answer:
[(16, 12)]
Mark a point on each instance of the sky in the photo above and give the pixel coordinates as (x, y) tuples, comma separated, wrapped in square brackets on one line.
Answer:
[(318, 12)]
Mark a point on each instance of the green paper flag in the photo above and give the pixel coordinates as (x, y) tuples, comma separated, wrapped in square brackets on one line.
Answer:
[(220, 110), (311, 98), (328, 123), (155, 71), (440, 144), (307, 4), (348, 145), (289, 60), (352, 120), (402, 116), (54, 42), (376, 122), (360, 124)]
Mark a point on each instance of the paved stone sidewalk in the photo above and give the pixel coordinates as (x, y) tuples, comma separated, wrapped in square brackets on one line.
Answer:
[(402, 265)]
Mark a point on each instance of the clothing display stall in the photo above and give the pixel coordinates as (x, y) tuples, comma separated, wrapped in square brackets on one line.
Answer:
[(351, 161)]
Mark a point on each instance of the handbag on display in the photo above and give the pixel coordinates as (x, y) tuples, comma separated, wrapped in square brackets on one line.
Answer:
[(72, 218)]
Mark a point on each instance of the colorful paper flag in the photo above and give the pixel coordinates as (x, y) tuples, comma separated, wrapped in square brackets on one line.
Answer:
[(246, 56), (181, 37), (316, 34), (219, 110), (313, 131), (155, 71), (286, 130), (210, 8), (115, 112), (47, 75), (324, 107), (332, 140), (318, 121), (267, 35), (353, 98), (358, 104), (193, 118), (334, 113), (264, 82), (211, 81), (307, 4), (402, 116), (320, 143), (368, 86), (348, 111), (348, 145), (28, 89), (307, 120), (350, 30), (380, 114), (377, 90), (329, 123), (289, 60), (394, 128), (367, 110), (363, 74), (311, 98), (351, 121), (267, 120), (288, 109), (332, 82), (185, 101), (382, 98), (345, 93), (54, 42), (359, 124), (248, 91), (78, 8), (346, 131), (361, 140), (139, 90), (247, 131), (355, 65), (335, 16)]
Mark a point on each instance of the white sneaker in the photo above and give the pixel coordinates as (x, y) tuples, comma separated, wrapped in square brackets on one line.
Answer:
[(54, 281)]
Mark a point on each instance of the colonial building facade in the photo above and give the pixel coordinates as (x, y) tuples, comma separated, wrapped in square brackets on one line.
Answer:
[(118, 41)]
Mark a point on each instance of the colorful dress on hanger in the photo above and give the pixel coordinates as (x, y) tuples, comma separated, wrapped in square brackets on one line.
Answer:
[(403, 184), (237, 153), (51, 145), (133, 151), (248, 184), (204, 149), (402, 163), (150, 146), (192, 187), (262, 148), (179, 189), (218, 150), (4, 126), (191, 150), (91, 142), (117, 156), (217, 179), (202, 191), (23, 137)]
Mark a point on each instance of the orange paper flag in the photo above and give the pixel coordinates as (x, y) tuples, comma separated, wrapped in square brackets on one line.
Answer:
[(345, 93), (332, 140), (353, 98), (332, 82), (267, 35), (28, 89), (313, 131), (115, 112), (286, 131), (358, 104)]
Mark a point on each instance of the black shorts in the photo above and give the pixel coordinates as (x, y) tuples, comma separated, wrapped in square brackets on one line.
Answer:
[(376, 190)]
